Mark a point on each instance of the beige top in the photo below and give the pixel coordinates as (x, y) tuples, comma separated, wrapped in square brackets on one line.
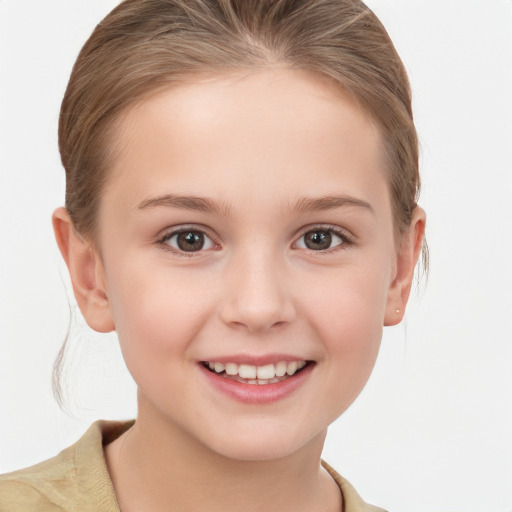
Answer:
[(77, 479)]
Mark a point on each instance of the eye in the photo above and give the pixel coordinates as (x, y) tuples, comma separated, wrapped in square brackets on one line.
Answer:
[(321, 239), (188, 240)]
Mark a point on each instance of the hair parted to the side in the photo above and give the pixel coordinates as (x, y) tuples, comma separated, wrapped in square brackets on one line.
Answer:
[(145, 45)]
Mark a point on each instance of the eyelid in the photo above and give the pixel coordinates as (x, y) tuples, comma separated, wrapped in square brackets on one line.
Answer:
[(346, 237), (169, 232)]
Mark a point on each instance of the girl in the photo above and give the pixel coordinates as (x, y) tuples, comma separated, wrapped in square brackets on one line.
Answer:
[(241, 187)]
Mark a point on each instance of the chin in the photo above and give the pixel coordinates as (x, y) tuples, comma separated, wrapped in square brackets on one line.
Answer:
[(256, 452), (265, 445)]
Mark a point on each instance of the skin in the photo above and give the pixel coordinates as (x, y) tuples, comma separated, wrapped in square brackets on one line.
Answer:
[(255, 146)]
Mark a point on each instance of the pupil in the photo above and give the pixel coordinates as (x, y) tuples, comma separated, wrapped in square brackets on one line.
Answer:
[(190, 241), (318, 240)]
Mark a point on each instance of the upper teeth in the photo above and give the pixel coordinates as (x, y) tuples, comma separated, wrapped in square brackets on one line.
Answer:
[(248, 371)]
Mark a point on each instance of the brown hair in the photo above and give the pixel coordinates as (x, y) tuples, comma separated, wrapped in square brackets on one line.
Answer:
[(145, 45)]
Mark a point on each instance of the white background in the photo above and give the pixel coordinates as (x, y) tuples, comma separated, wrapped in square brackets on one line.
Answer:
[(432, 431)]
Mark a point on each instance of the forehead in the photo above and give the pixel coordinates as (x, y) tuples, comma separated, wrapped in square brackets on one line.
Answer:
[(277, 130)]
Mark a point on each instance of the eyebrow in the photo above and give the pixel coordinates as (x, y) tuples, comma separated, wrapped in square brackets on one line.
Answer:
[(206, 205), (311, 204), (193, 203)]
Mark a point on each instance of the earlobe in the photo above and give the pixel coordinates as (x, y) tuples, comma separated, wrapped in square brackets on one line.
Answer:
[(407, 257), (86, 272)]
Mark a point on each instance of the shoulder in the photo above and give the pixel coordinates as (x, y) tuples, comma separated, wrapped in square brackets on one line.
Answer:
[(352, 502), (75, 480), (48, 486)]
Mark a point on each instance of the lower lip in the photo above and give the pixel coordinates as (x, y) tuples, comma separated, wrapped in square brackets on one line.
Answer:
[(257, 393)]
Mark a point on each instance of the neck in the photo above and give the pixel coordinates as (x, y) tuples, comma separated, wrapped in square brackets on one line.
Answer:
[(155, 464)]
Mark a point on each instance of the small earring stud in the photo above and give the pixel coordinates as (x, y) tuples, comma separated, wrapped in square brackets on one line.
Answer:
[(397, 311)]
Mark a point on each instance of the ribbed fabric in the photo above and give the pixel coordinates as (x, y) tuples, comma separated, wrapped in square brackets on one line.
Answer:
[(77, 479), (352, 502)]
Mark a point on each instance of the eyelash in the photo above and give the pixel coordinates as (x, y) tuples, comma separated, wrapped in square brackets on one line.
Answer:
[(346, 240), (163, 241)]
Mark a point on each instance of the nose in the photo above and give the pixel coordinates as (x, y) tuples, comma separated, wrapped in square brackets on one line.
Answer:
[(257, 297)]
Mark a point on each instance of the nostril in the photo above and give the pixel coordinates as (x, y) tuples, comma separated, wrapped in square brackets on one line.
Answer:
[(253, 325), (255, 298)]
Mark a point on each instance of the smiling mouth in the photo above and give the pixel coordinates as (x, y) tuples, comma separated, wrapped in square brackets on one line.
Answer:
[(250, 374)]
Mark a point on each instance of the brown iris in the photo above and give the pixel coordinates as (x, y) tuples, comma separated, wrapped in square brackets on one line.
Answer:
[(318, 240), (190, 241)]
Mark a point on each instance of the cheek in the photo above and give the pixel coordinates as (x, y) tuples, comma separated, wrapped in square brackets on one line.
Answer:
[(348, 303), (157, 313), (350, 323), (157, 310), (347, 314)]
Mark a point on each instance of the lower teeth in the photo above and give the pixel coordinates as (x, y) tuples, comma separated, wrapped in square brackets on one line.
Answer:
[(260, 382)]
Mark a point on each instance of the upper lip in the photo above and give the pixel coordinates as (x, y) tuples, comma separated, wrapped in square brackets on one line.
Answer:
[(254, 360)]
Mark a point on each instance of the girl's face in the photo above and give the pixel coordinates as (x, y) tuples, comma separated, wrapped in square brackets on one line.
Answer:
[(246, 226)]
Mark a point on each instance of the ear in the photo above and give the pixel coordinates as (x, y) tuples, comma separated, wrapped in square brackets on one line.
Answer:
[(86, 272), (407, 257)]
